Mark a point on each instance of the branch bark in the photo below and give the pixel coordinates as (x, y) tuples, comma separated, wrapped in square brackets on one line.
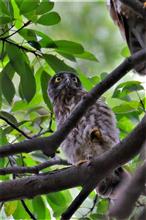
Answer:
[(128, 196), (35, 169), (84, 175), (51, 143)]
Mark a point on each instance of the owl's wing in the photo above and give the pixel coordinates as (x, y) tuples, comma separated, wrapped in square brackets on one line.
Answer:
[(132, 27)]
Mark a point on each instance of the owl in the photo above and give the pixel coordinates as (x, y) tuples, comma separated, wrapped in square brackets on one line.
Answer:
[(132, 27), (95, 132)]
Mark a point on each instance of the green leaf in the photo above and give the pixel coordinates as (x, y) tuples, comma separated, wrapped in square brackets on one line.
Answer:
[(44, 86), (69, 47), (67, 56), (124, 108), (51, 18), (125, 52), (10, 208), (58, 202), (45, 6), (56, 64), (28, 34), (26, 6), (25, 72), (124, 89), (87, 56), (7, 87), (3, 8), (3, 138), (27, 83), (5, 20), (39, 207)]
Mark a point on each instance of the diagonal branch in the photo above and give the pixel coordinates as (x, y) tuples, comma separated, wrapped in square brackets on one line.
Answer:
[(35, 169), (137, 6), (28, 187), (51, 143)]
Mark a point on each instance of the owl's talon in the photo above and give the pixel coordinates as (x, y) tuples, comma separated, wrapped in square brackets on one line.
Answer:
[(96, 133), (80, 162)]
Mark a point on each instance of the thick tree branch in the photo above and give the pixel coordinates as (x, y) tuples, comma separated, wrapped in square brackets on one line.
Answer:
[(51, 143), (83, 175), (129, 194), (137, 6), (35, 169)]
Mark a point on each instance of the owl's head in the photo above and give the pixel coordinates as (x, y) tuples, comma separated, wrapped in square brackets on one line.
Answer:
[(63, 84)]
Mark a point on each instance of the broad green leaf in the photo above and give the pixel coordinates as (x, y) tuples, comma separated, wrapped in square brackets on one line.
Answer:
[(3, 8), (123, 90), (124, 108), (39, 207), (15, 54), (5, 20), (56, 64), (7, 88), (10, 208), (69, 47), (3, 138), (20, 212), (28, 34), (45, 6), (26, 6), (58, 203), (51, 18), (44, 86), (87, 56), (67, 56), (25, 72), (27, 81)]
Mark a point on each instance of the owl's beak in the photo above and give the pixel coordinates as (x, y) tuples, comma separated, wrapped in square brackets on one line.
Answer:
[(67, 81)]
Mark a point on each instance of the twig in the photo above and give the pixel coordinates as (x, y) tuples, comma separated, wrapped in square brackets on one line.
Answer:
[(27, 210), (137, 6), (35, 169), (141, 102), (7, 30), (93, 206), (35, 52), (25, 24), (15, 127)]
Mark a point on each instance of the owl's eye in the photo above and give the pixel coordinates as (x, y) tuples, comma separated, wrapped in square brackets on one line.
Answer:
[(58, 79), (75, 79)]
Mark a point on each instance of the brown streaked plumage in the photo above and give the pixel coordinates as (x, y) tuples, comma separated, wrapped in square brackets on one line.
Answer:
[(132, 27), (96, 131)]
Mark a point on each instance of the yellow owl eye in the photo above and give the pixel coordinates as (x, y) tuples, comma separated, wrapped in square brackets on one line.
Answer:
[(75, 79), (58, 79)]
